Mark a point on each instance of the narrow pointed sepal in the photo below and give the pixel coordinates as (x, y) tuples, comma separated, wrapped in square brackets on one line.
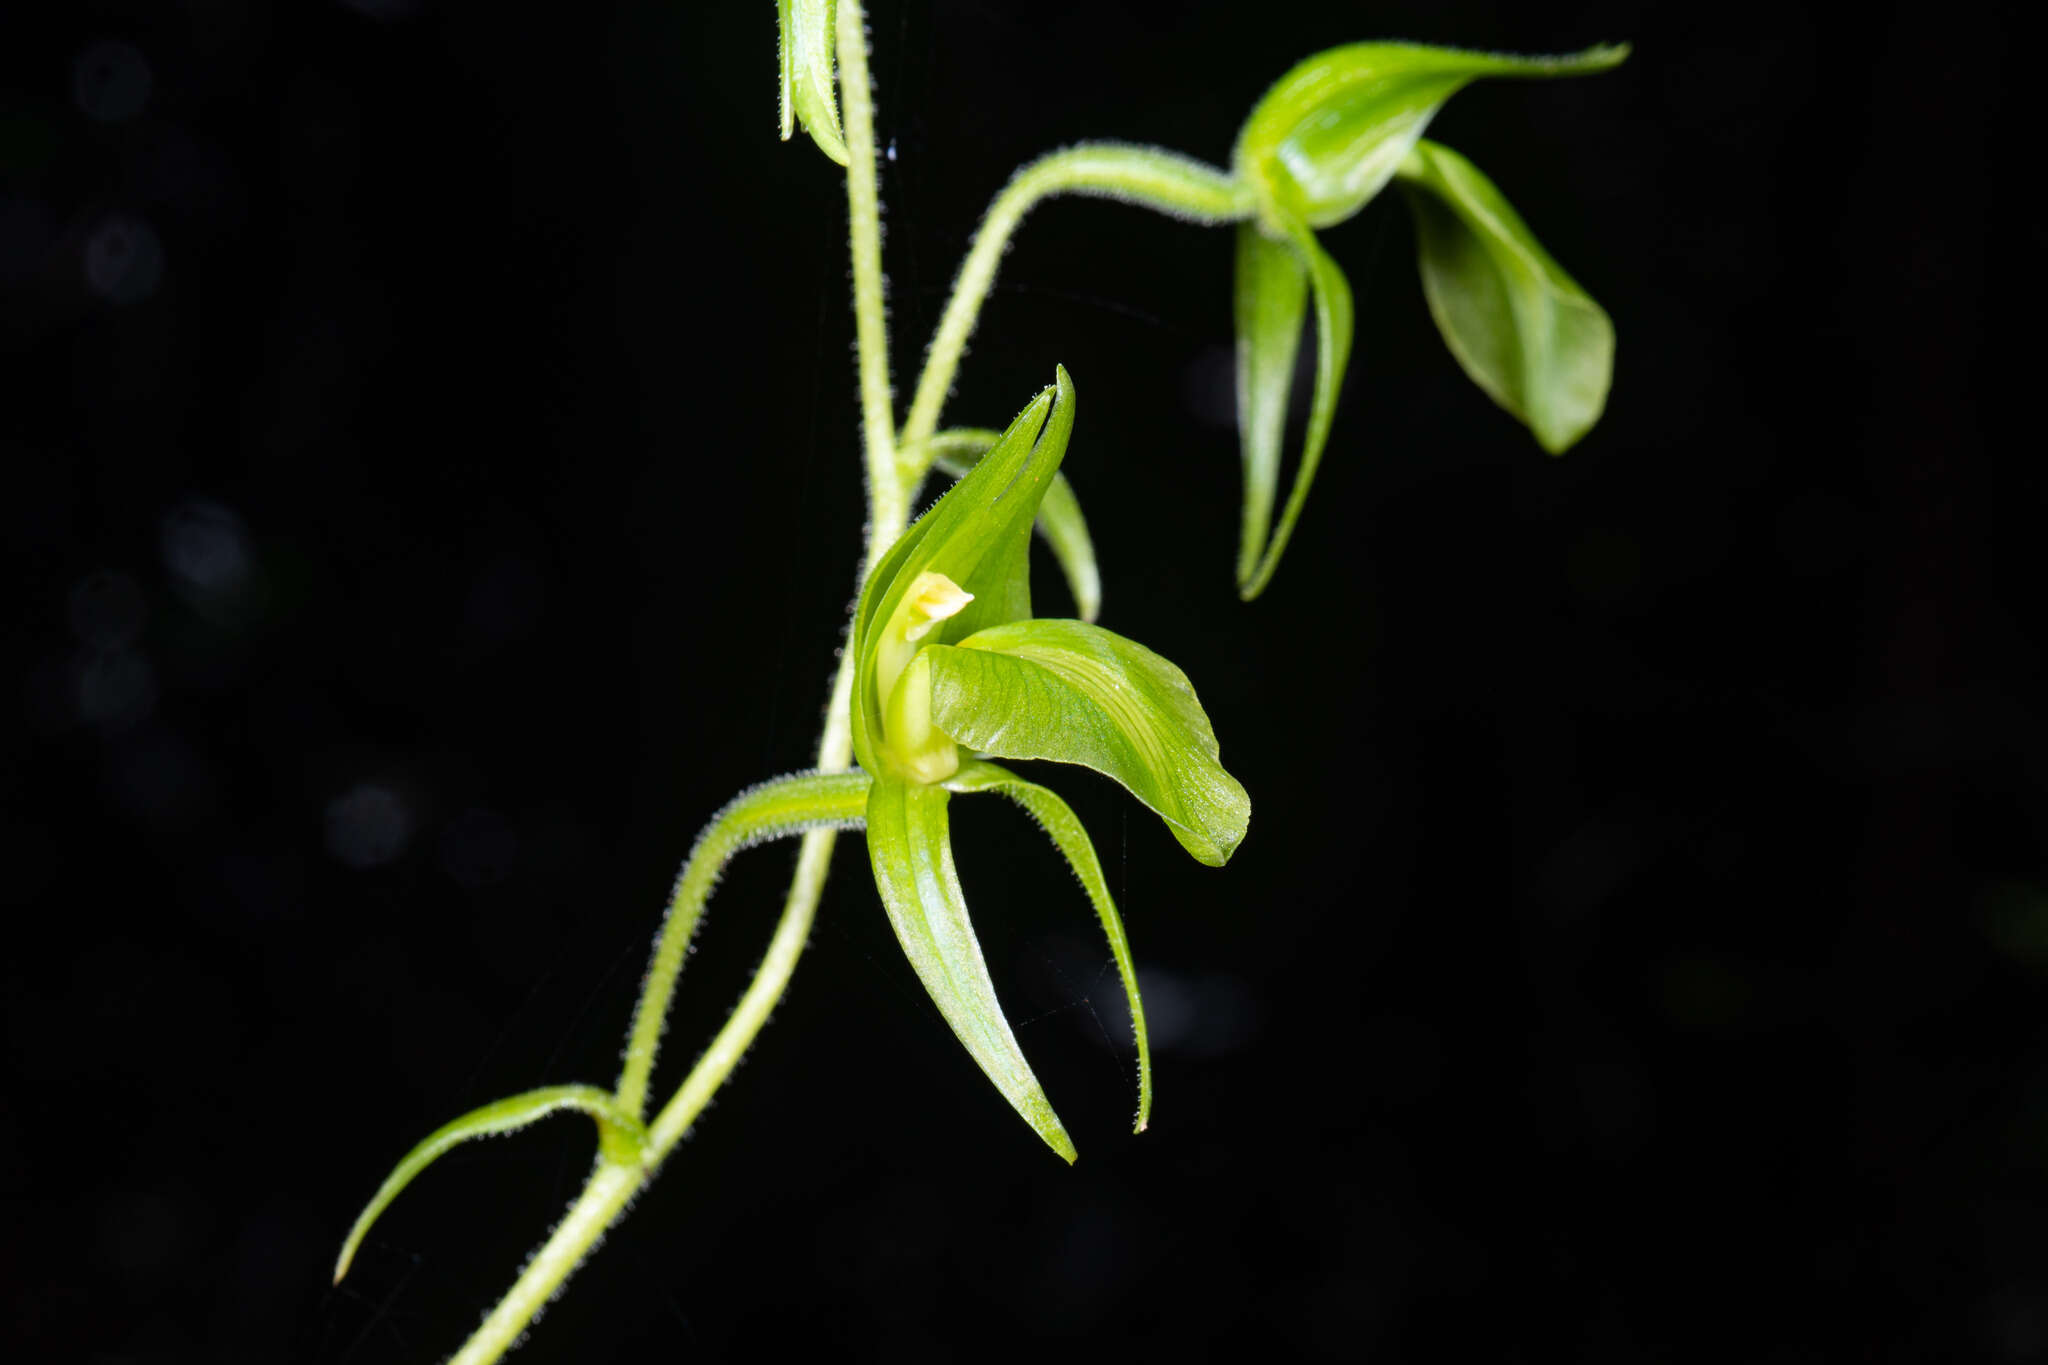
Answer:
[(910, 848), (1272, 301), (1060, 523), (1517, 323), (1067, 833), (1334, 322), (620, 1134)]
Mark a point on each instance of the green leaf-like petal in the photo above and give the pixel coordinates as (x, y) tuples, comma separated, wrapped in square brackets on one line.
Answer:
[(912, 853), (978, 535), (1060, 523), (1329, 134), (1522, 328), (1064, 828), (808, 91), (1272, 300), (1076, 693), (621, 1134), (1332, 293)]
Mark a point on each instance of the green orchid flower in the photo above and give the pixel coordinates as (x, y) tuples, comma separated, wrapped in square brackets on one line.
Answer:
[(951, 671), (1327, 138)]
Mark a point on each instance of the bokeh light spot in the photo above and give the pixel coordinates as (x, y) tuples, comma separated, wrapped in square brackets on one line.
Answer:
[(111, 81), (124, 259), (211, 560), (368, 826)]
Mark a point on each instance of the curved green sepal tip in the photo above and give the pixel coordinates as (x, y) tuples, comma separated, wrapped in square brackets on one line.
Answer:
[(1518, 324), (809, 95), (1070, 692), (1060, 523), (1329, 134), (1067, 833), (910, 848), (1331, 293), (622, 1136)]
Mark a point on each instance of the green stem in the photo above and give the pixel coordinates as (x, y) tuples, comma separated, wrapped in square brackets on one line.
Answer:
[(886, 510), (610, 1187), (1147, 176), (805, 801), (613, 1183), (763, 994), (808, 800)]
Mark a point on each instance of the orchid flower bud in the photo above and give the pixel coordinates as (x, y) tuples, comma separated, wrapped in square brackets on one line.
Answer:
[(808, 93), (1321, 143)]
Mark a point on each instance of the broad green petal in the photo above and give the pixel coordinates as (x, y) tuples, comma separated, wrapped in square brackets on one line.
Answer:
[(809, 94), (911, 850), (1272, 300), (1060, 523), (978, 536), (1329, 134), (1332, 293), (1076, 693), (1522, 328), (1064, 828), (617, 1129)]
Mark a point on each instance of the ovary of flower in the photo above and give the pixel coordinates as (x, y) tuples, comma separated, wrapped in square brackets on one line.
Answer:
[(919, 752)]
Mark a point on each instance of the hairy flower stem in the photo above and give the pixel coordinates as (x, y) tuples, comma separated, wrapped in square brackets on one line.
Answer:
[(830, 800), (1150, 177), (886, 509), (805, 801), (613, 1184), (1156, 179), (605, 1195)]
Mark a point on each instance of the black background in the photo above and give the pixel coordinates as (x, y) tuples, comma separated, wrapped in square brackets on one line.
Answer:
[(431, 484)]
